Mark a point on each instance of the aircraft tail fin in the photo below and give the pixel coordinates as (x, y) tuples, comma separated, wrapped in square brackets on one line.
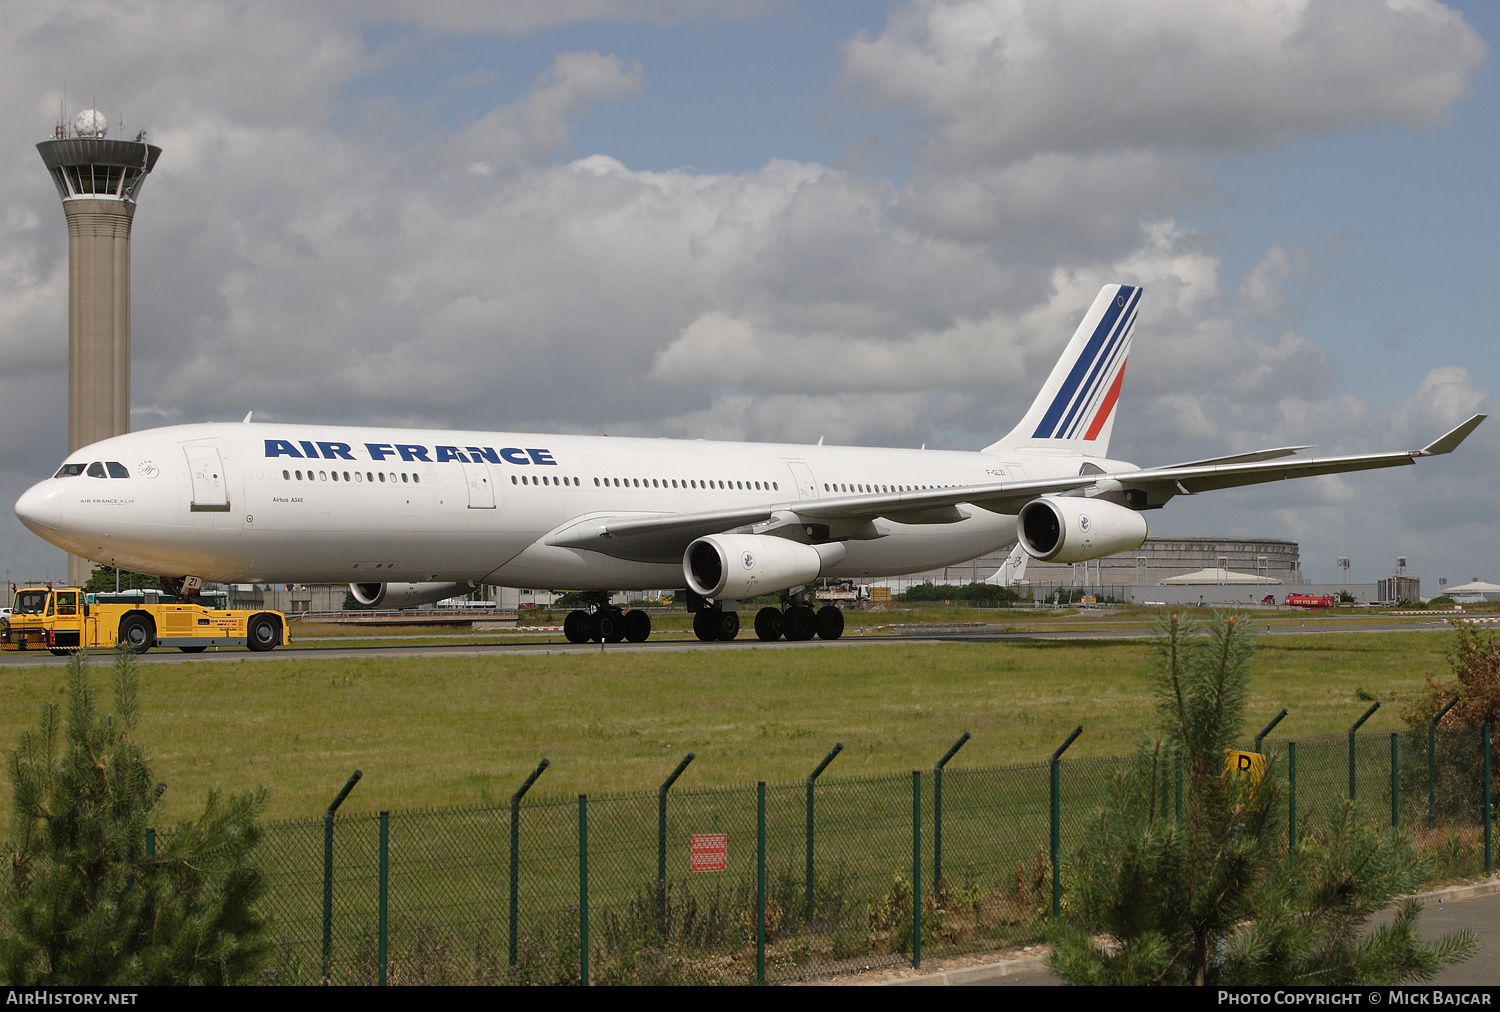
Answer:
[(1075, 411), (1012, 570)]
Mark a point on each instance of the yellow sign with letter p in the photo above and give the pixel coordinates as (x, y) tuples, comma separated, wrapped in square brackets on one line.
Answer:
[(1244, 765)]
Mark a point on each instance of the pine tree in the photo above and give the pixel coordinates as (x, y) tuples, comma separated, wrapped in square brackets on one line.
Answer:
[(83, 903), (1213, 897)]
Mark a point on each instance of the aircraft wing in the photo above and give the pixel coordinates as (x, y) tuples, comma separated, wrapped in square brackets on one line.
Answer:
[(1162, 483), (1240, 458), (664, 537), (659, 537)]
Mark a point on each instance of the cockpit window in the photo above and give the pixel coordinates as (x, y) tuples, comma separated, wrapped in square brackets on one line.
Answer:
[(96, 470), (30, 602), (116, 469), (70, 471)]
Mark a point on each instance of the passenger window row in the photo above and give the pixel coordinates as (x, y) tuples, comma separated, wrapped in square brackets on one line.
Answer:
[(543, 480), (878, 489), (359, 476), (746, 486), (97, 469)]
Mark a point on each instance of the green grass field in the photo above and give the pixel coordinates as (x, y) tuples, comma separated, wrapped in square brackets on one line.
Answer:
[(430, 732)]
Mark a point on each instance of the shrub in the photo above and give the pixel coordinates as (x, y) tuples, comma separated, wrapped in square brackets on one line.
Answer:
[(84, 903), (1210, 898)]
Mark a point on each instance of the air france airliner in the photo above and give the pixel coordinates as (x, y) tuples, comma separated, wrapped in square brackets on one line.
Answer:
[(408, 516)]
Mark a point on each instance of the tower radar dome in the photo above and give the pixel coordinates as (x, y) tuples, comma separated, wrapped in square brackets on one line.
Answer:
[(90, 123)]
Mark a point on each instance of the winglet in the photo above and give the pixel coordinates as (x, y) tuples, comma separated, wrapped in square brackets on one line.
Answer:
[(1449, 442)]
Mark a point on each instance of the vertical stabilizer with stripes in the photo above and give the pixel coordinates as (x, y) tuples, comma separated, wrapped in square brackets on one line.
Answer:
[(1075, 412)]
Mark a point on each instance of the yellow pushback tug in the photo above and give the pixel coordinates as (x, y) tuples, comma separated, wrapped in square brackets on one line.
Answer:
[(63, 619)]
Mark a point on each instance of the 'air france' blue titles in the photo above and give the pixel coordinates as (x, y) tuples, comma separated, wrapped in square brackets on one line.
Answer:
[(327, 450)]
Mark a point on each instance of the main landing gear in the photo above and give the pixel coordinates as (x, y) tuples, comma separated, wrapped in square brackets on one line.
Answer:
[(603, 622), (716, 624), (799, 623), (796, 620)]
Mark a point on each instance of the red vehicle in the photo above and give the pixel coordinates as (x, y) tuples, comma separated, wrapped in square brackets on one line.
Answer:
[(1310, 601)]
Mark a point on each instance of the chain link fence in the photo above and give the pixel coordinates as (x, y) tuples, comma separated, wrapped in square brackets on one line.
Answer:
[(774, 882)]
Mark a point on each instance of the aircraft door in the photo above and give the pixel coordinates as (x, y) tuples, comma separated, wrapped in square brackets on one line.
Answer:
[(807, 488), (210, 490), (481, 489)]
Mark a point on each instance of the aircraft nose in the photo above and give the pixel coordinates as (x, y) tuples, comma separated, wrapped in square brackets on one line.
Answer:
[(40, 509)]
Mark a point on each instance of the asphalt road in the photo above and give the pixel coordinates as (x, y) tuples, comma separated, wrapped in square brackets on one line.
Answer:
[(1480, 915), (325, 646)]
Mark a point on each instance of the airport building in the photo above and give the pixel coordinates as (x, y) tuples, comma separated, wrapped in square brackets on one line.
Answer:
[(1156, 560), (99, 180), (1198, 570)]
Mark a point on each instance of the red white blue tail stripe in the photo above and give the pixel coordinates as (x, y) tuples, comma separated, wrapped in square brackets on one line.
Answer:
[(1088, 394)]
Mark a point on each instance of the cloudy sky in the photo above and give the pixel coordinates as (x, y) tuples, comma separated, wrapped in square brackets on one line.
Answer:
[(765, 219)]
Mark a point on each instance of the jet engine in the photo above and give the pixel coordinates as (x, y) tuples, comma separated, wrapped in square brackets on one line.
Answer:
[(1070, 529), (730, 567), (405, 595)]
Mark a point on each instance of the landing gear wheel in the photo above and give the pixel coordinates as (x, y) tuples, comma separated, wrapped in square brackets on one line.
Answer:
[(799, 623), (606, 626), (768, 624), (263, 633), (192, 650), (830, 623), (138, 633), (728, 624), (704, 625), (637, 625), (576, 626)]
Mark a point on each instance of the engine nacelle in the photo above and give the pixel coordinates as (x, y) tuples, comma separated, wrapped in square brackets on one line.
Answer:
[(406, 595), (730, 567), (1070, 529)]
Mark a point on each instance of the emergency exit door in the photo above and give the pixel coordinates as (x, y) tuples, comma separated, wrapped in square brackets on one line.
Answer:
[(807, 488), (210, 490), (481, 491)]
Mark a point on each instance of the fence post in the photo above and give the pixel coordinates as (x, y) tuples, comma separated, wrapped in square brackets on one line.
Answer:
[(1269, 728), (385, 889), (515, 850), (583, 890), (916, 869), (937, 816), (1432, 760), (760, 882), (1291, 808), (661, 837), (328, 870), (1395, 780), (1489, 864), (150, 843), (1352, 728), (1055, 765), (807, 905)]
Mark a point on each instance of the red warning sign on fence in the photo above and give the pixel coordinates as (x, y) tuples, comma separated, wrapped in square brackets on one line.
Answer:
[(710, 852)]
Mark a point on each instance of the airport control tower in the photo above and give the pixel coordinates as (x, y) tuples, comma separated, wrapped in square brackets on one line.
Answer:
[(98, 180)]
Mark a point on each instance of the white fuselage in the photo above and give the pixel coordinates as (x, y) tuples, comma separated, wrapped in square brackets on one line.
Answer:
[(259, 502)]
